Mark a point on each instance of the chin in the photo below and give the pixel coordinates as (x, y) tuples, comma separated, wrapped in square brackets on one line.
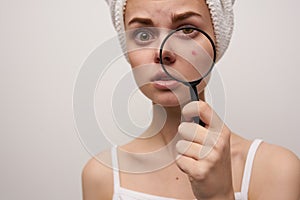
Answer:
[(166, 98)]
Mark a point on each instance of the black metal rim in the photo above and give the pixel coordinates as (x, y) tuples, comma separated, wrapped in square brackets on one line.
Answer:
[(192, 83)]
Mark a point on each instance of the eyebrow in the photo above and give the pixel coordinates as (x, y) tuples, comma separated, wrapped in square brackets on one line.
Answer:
[(140, 20), (175, 18), (185, 15)]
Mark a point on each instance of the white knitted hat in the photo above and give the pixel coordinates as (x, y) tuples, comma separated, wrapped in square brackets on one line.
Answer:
[(221, 13)]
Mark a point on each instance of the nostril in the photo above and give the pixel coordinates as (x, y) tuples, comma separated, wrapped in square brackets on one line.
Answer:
[(157, 60), (167, 59)]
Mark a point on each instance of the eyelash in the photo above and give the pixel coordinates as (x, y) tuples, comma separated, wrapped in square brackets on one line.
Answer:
[(152, 34), (190, 35)]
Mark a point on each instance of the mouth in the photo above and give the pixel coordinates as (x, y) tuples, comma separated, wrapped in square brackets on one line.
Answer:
[(164, 82), (161, 76)]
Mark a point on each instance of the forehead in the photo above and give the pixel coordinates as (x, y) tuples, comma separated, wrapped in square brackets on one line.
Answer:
[(163, 10)]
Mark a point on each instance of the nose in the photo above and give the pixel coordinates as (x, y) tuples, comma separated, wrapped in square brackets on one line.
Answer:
[(168, 57)]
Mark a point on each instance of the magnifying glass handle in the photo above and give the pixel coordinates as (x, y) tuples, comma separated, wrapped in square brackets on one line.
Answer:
[(195, 97)]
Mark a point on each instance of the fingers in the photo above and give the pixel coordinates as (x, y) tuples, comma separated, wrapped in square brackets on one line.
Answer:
[(205, 138), (186, 164), (194, 169), (192, 132), (189, 149), (204, 111), (204, 152)]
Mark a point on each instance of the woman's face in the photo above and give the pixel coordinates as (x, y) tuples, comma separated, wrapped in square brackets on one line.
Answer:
[(147, 22)]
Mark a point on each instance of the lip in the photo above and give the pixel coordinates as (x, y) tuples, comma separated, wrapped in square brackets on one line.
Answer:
[(163, 82)]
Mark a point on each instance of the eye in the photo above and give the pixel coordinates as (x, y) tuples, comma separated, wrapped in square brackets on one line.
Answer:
[(143, 36), (187, 30)]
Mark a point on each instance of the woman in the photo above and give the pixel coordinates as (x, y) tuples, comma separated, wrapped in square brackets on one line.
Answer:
[(231, 167)]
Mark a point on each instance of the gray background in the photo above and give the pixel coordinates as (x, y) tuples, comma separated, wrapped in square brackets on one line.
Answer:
[(43, 44)]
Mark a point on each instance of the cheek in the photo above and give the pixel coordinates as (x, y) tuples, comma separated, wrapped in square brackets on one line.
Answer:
[(203, 84), (194, 53), (142, 66), (140, 57), (204, 50)]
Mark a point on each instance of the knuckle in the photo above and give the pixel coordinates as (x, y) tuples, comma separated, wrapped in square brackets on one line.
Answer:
[(221, 144), (182, 127), (204, 106), (188, 130), (205, 151), (184, 111), (211, 138), (200, 174), (214, 156), (180, 164), (181, 146)]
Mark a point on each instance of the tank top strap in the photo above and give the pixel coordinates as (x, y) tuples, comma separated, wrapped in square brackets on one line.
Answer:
[(115, 168), (248, 168)]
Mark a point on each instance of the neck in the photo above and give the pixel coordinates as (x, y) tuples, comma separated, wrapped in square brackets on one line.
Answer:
[(171, 121), (165, 123)]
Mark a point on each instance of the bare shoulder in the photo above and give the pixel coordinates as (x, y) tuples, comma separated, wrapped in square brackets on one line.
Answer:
[(275, 174), (97, 178)]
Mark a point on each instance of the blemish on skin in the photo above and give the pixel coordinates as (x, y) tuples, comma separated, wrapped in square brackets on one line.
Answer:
[(194, 53)]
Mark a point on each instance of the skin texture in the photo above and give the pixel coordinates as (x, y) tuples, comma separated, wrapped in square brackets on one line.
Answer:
[(156, 11), (205, 155)]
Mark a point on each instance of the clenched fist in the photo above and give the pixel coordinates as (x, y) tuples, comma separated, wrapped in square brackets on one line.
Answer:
[(204, 153)]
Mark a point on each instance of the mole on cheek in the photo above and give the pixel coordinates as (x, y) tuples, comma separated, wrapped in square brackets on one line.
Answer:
[(194, 53)]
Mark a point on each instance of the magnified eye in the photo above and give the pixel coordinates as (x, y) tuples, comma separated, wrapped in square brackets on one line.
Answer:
[(187, 30)]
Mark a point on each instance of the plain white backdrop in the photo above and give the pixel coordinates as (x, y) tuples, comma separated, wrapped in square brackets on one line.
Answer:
[(43, 44)]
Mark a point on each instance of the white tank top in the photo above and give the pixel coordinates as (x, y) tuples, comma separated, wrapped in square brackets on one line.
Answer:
[(121, 193)]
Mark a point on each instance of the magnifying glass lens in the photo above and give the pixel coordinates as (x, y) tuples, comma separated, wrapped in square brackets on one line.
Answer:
[(187, 55), (193, 51)]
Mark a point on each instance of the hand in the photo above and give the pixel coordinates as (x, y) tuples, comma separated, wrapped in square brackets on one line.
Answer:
[(204, 153)]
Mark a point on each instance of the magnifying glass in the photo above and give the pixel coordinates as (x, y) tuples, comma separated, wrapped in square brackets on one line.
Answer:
[(195, 55)]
